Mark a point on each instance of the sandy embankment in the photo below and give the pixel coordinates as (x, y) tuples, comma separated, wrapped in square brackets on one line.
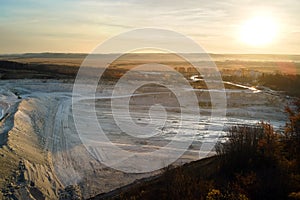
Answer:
[(32, 174), (43, 152)]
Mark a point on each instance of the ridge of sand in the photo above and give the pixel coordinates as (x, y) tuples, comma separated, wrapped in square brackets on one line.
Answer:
[(32, 175)]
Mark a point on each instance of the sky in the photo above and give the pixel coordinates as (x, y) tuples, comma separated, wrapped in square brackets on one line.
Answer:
[(74, 26)]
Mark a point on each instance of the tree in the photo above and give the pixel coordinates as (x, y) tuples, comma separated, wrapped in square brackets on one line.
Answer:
[(292, 134)]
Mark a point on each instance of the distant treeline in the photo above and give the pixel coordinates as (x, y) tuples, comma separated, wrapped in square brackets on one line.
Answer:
[(16, 70), (287, 83), (290, 84)]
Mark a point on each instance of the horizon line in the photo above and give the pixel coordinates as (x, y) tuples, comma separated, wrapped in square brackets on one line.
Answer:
[(209, 53)]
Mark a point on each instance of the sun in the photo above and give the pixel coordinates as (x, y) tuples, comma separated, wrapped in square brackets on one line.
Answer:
[(258, 31)]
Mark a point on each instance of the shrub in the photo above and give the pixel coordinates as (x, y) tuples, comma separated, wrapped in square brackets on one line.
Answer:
[(292, 134), (248, 147)]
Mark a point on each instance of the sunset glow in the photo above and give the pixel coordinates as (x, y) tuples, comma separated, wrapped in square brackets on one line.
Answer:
[(259, 31)]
